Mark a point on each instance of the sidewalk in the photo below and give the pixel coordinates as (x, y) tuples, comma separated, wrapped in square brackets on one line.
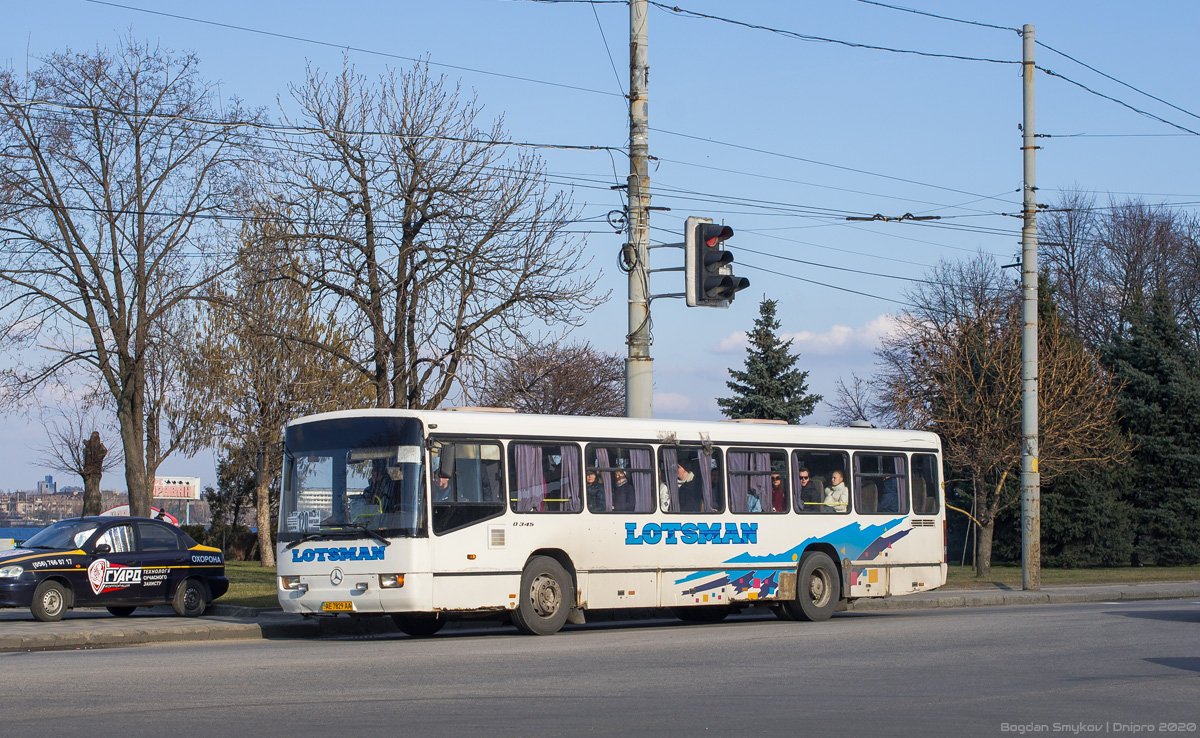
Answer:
[(96, 629)]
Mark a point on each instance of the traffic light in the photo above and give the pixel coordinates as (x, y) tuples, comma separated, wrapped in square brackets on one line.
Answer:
[(708, 266)]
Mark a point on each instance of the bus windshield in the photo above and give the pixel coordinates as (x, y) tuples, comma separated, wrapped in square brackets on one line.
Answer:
[(361, 473)]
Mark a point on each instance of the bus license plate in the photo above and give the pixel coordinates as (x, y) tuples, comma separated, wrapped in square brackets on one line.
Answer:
[(337, 606)]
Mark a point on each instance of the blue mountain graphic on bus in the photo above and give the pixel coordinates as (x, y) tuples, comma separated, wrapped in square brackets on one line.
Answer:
[(851, 541)]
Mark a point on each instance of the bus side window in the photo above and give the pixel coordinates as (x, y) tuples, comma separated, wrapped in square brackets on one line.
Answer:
[(880, 483), (751, 475), (925, 484), (620, 479), (690, 480), (465, 484), (821, 480), (545, 477)]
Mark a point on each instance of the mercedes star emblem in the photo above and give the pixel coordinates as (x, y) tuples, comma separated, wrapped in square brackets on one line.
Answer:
[(335, 577)]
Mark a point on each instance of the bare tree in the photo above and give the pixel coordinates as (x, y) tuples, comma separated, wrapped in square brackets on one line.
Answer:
[(954, 368), (853, 401), (255, 367), (555, 379), (1106, 260), (1070, 253), (422, 227), (74, 446), (112, 177)]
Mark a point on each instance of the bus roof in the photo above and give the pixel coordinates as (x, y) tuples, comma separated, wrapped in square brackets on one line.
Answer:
[(506, 424)]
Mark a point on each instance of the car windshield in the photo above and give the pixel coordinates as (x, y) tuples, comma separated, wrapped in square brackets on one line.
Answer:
[(362, 472), (64, 535)]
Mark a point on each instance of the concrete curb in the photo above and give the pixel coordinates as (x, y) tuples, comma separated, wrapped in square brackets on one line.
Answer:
[(1047, 596), (231, 622)]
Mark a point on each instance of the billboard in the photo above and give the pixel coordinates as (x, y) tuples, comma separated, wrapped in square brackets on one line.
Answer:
[(176, 488)]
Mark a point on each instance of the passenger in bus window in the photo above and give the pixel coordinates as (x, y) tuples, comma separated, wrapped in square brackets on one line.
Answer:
[(691, 499), (889, 495), (623, 497), (443, 491), (753, 504), (811, 495), (837, 497), (779, 504), (595, 492)]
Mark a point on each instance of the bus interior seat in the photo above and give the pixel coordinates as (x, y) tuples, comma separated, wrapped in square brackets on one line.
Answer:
[(870, 498), (919, 497)]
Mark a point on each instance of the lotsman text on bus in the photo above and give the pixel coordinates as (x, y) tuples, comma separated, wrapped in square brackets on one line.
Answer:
[(673, 533)]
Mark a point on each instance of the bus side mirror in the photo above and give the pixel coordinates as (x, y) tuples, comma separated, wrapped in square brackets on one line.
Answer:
[(446, 462)]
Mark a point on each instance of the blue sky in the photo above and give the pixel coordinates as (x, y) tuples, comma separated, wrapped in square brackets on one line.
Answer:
[(781, 138)]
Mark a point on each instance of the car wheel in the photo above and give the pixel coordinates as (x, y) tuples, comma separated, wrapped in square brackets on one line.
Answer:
[(49, 602), (418, 626), (818, 588), (545, 598), (190, 599), (121, 611)]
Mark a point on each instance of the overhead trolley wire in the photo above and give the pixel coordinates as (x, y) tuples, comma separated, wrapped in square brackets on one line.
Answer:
[(346, 47), (940, 17), (675, 9)]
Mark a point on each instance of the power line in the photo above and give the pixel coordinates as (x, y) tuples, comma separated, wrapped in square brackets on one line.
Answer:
[(346, 47), (675, 9), (828, 187), (818, 163), (940, 17), (620, 84), (1110, 98), (296, 130), (1114, 79), (825, 284), (837, 268)]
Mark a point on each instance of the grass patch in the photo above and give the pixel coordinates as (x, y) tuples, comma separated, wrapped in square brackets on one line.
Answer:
[(250, 585), (1009, 576)]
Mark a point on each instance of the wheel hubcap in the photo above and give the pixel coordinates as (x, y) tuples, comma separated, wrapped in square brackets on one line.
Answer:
[(545, 595), (52, 602), (191, 599), (818, 588)]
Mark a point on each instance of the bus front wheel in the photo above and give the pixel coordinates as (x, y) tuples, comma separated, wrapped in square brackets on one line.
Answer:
[(818, 588), (545, 597)]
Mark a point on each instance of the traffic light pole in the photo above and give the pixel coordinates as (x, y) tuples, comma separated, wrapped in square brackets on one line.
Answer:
[(639, 367), (1031, 494)]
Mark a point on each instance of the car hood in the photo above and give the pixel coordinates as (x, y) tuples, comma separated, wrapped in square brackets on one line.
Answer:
[(17, 552)]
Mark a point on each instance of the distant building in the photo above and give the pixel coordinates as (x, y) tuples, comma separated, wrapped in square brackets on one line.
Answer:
[(47, 486)]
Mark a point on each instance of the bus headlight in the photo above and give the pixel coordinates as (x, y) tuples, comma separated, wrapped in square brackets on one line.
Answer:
[(292, 583), (12, 572), (391, 581)]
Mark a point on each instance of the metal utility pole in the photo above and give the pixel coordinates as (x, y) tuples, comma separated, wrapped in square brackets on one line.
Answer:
[(1031, 495), (639, 367)]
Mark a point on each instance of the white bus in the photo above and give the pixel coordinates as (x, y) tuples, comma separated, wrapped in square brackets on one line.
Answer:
[(432, 515)]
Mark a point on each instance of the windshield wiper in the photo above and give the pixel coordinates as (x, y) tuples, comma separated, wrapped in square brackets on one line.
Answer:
[(345, 530)]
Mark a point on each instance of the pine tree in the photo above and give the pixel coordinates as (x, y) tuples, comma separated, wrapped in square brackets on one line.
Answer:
[(770, 387), (1160, 409)]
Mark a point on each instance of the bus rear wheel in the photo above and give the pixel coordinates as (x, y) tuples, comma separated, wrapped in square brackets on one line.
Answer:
[(818, 588), (545, 598)]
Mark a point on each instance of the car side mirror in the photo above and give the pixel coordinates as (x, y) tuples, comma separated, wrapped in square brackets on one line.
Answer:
[(102, 548)]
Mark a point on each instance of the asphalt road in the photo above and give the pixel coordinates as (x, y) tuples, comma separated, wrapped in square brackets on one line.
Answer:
[(1066, 669)]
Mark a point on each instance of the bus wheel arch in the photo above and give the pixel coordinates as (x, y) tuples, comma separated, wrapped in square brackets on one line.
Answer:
[(547, 594), (818, 586)]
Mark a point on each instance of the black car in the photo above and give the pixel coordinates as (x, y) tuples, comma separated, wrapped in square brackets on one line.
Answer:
[(120, 563)]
